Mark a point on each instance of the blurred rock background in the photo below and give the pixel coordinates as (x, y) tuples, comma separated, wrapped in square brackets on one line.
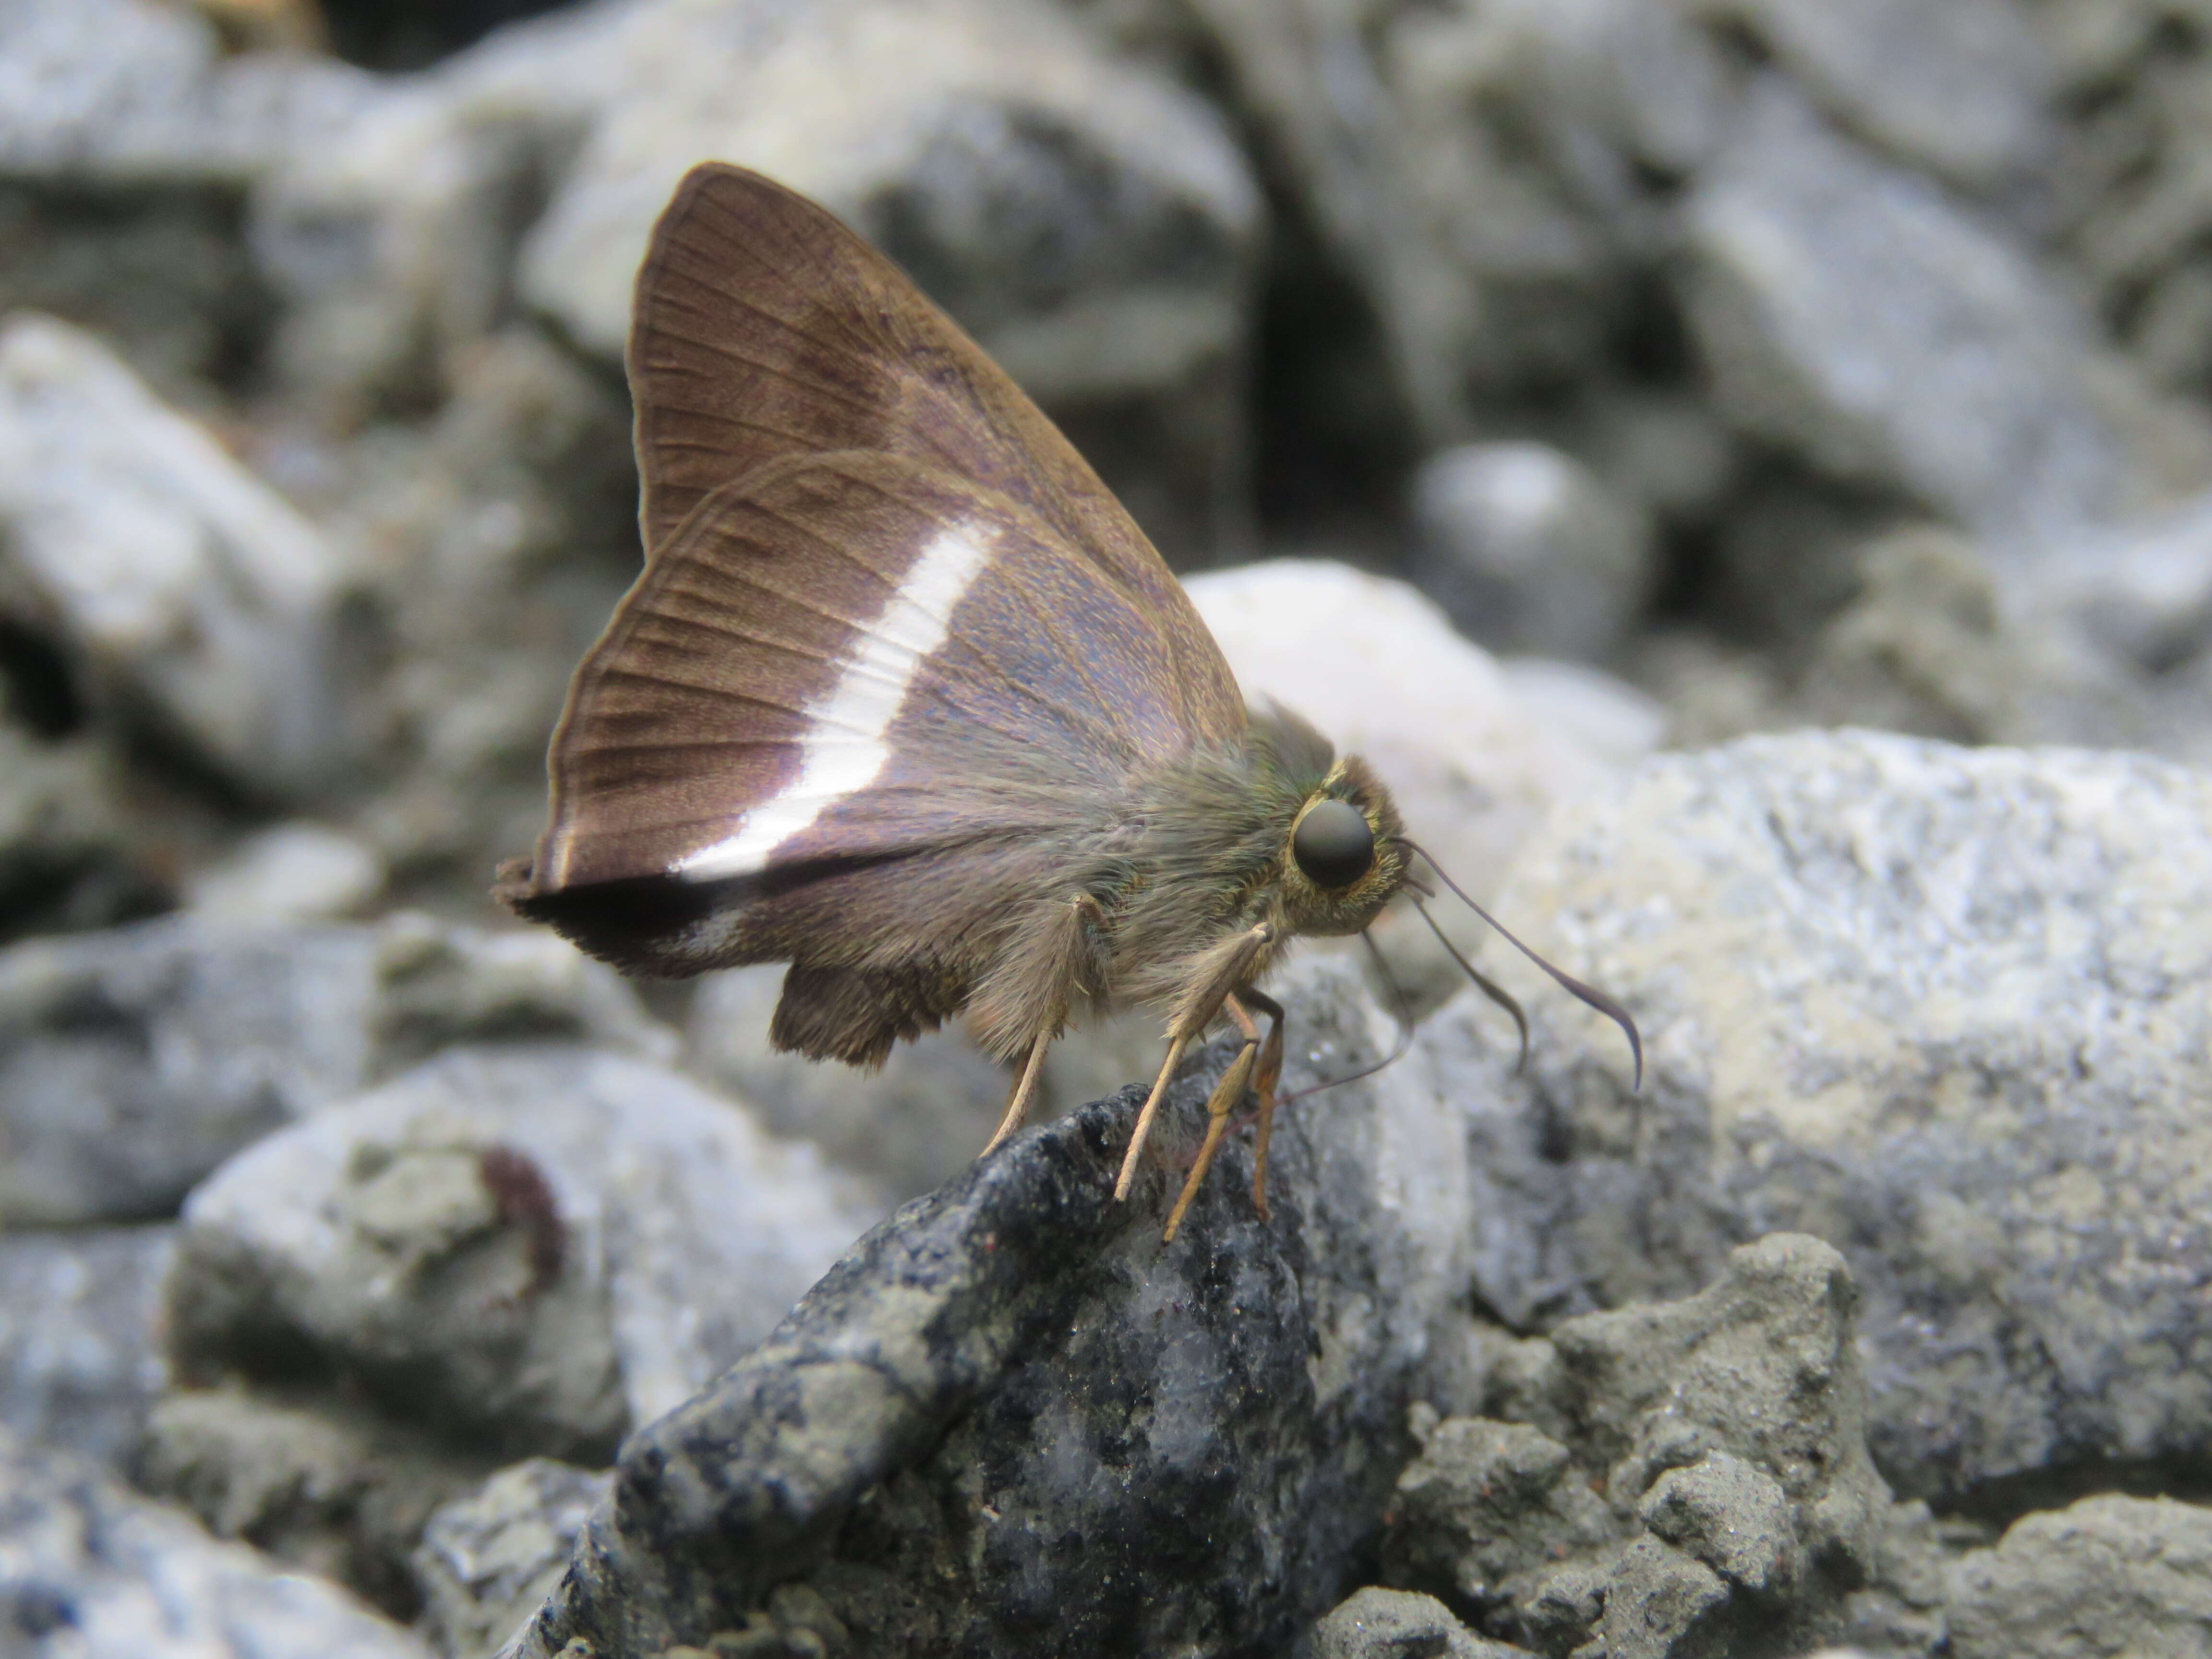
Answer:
[(1526, 386)]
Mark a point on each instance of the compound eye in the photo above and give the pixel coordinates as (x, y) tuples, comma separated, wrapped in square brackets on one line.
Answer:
[(1332, 844)]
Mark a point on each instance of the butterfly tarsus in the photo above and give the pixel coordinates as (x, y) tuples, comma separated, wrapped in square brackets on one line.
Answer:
[(1017, 1102)]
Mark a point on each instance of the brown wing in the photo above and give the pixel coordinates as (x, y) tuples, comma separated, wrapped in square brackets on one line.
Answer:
[(764, 329)]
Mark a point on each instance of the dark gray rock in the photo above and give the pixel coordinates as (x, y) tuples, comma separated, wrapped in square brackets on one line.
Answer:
[(90, 1570), (1010, 1413), (80, 1355), (1386, 1624), (134, 1061), (1686, 1477), (1944, 1007), (490, 1556), (71, 855), (2110, 1575)]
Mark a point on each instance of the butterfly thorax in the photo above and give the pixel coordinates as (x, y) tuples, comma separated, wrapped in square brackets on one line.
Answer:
[(1198, 857)]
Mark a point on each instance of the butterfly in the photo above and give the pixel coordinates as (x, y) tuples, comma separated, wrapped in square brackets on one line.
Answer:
[(904, 698)]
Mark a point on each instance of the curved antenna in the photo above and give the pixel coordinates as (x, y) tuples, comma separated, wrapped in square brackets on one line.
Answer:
[(1405, 1011), (1567, 983), (1489, 988)]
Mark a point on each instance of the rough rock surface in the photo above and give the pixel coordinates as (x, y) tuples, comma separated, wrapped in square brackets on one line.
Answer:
[(80, 1355), (1686, 1477), (535, 1246), (134, 1061), (2109, 1575), (89, 1570), (491, 1557), (1011, 1408), (1387, 1624), (1944, 1007)]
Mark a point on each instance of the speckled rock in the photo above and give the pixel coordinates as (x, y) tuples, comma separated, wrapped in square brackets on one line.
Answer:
[(1684, 1477), (491, 1556), (1948, 1009), (80, 1352), (133, 1061), (1010, 1413), (2109, 1575), (90, 1570)]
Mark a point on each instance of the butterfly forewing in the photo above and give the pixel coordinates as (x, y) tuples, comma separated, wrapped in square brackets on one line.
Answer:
[(764, 329)]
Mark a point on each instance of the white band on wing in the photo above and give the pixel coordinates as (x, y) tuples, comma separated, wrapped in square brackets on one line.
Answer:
[(845, 748)]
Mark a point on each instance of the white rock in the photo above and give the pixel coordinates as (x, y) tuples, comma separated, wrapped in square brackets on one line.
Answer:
[(91, 1570), (187, 583), (135, 92), (1378, 669), (293, 872), (552, 1244)]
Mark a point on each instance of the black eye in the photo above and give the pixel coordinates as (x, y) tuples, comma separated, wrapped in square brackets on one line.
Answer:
[(1332, 844)]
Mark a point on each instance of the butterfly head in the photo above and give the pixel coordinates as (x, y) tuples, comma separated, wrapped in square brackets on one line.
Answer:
[(1344, 857)]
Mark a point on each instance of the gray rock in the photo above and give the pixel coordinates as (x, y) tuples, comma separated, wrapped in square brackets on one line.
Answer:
[(1093, 224), (80, 1358), (134, 1061), (1527, 550), (541, 1246), (1929, 1003), (297, 872), (327, 1487), (2109, 1575), (989, 1426), (70, 855), (488, 1559), (1700, 1480), (907, 1129), (1961, 88), (90, 1570), (1850, 312), (1926, 646), (130, 92), (194, 593), (1387, 1624), (1480, 172)]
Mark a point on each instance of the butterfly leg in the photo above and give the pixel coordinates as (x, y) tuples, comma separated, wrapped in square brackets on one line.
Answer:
[(1018, 1103), (1218, 1106), (1266, 1077), (1218, 973)]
